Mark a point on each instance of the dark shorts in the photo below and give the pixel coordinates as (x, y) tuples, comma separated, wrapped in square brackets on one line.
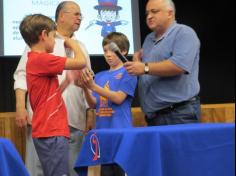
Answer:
[(53, 154)]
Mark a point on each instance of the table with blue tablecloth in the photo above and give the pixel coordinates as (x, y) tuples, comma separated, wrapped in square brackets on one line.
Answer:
[(11, 163), (176, 150)]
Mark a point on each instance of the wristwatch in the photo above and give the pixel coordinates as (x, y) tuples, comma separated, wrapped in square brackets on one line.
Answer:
[(146, 68)]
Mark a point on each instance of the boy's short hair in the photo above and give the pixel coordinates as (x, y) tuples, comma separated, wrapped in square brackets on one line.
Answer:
[(32, 26), (119, 38)]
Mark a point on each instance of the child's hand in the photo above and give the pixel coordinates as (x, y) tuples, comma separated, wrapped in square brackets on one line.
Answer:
[(79, 82), (87, 78), (73, 75), (70, 43)]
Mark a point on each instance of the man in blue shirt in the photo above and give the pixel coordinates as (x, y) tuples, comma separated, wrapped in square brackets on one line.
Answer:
[(168, 66)]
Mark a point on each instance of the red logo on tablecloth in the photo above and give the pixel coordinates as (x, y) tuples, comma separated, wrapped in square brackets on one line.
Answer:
[(95, 147)]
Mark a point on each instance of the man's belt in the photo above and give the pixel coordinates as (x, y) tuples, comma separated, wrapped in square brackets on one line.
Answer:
[(176, 105)]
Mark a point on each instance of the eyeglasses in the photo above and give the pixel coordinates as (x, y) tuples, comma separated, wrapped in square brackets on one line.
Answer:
[(152, 12), (77, 14)]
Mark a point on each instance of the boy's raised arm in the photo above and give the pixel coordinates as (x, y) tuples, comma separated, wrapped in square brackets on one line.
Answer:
[(79, 60)]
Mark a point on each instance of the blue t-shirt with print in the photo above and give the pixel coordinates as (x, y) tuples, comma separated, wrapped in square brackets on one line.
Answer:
[(111, 115)]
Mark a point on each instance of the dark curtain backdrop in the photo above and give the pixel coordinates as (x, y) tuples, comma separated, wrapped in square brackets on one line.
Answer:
[(214, 23)]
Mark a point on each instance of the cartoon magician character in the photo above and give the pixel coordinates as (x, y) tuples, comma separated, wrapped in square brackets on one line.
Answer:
[(108, 16)]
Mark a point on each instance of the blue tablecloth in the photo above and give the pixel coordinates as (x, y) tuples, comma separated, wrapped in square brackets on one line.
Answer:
[(178, 150), (11, 163)]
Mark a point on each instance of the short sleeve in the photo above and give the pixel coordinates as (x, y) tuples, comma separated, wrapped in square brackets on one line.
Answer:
[(46, 64), (20, 72), (186, 48), (128, 84)]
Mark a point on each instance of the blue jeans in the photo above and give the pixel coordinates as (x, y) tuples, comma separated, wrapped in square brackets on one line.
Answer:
[(188, 113)]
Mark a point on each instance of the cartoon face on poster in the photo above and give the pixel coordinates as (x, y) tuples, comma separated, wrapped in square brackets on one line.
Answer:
[(108, 16)]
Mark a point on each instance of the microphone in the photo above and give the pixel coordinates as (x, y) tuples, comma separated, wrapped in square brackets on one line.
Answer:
[(114, 48)]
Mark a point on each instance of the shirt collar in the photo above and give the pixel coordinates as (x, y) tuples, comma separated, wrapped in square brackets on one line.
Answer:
[(60, 36), (170, 29)]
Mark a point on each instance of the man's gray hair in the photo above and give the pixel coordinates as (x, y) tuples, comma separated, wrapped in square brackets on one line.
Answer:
[(60, 7), (171, 4)]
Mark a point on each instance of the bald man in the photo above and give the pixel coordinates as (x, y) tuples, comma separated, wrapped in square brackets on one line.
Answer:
[(168, 68), (68, 18)]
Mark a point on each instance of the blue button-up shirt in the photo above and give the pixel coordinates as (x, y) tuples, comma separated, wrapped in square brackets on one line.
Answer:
[(181, 46)]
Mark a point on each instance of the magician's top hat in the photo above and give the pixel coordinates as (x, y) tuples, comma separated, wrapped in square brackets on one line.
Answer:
[(107, 4)]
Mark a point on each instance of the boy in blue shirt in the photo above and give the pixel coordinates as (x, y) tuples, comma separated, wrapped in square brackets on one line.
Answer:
[(112, 93)]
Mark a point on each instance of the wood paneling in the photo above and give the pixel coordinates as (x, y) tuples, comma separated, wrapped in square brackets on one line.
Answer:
[(218, 113), (8, 129)]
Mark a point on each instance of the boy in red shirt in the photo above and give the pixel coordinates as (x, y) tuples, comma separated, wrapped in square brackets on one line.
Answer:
[(50, 130)]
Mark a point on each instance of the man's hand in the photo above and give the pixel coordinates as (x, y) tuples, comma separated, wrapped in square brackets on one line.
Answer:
[(21, 117), (90, 120), (137, 57), (135, 68), (21, 113)]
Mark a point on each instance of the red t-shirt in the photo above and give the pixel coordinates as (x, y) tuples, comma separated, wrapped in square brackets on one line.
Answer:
[(49, 111)]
